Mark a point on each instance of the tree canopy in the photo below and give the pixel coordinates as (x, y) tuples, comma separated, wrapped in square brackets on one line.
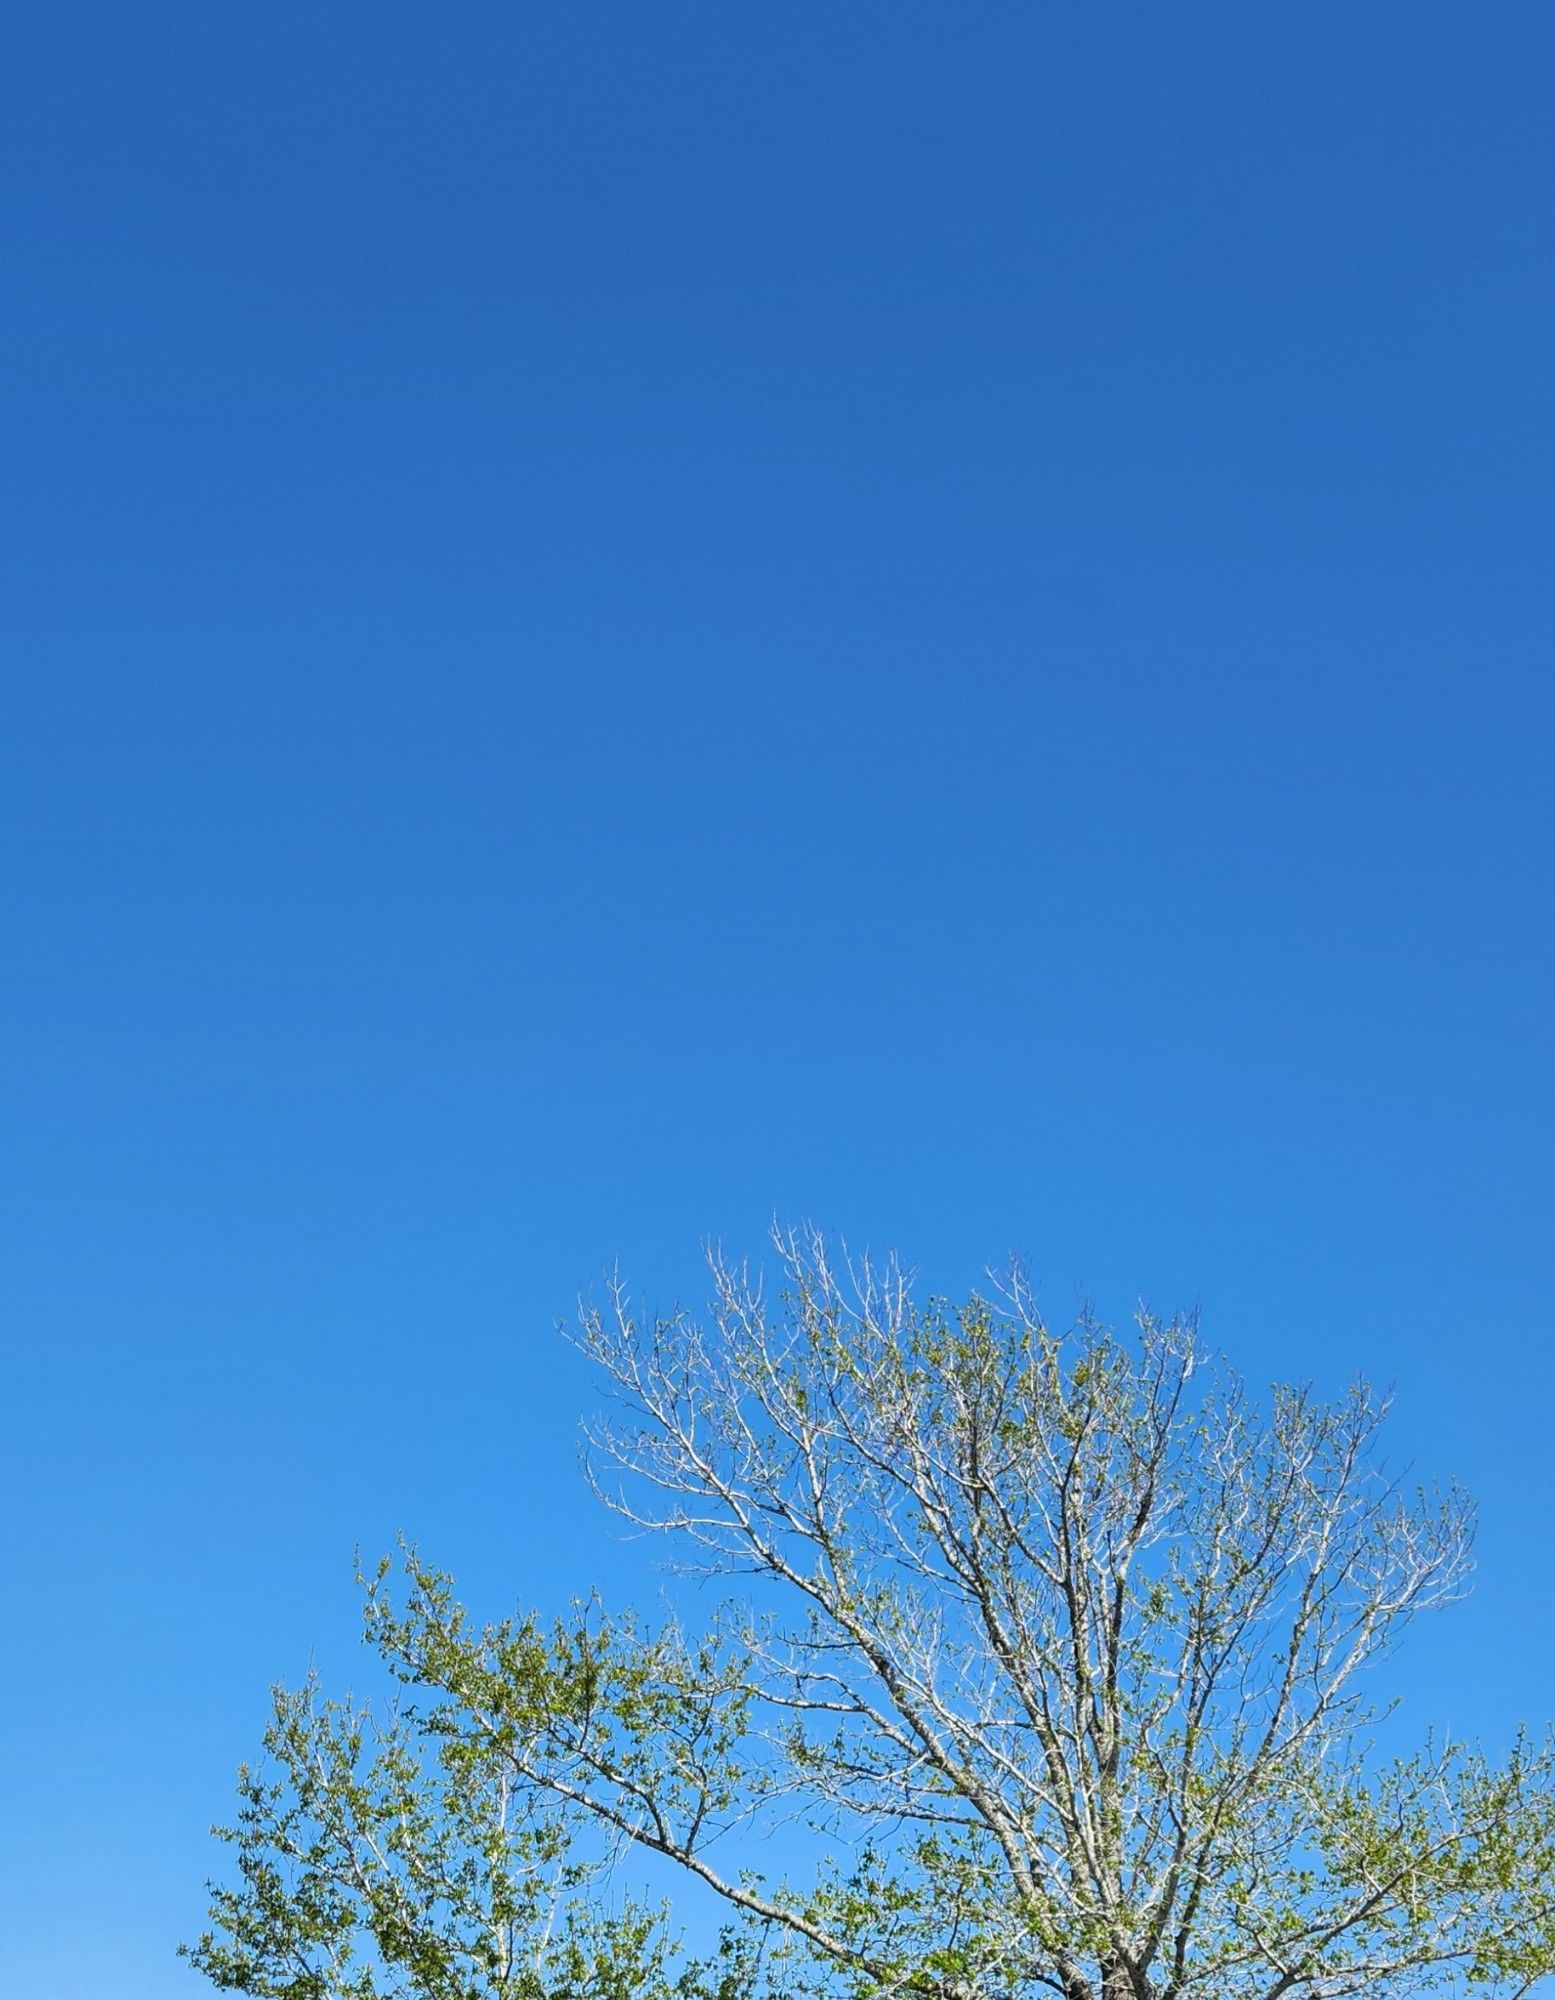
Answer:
[(1049, 1651)]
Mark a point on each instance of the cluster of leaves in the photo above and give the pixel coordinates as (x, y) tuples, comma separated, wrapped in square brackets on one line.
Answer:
[(398, 1856)]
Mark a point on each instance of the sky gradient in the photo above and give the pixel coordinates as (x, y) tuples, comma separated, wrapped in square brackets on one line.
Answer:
[(623, 619)]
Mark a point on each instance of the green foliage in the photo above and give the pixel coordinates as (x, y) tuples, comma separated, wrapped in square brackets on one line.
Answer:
[(385, 1857)]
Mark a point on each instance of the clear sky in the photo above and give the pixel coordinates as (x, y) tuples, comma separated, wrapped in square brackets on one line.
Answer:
[(623, 617)]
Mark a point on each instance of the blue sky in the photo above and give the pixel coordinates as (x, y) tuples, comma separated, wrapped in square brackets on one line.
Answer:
[(620, 619)]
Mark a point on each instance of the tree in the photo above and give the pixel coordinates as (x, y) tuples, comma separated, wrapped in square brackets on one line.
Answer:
[(1058, 1642)]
